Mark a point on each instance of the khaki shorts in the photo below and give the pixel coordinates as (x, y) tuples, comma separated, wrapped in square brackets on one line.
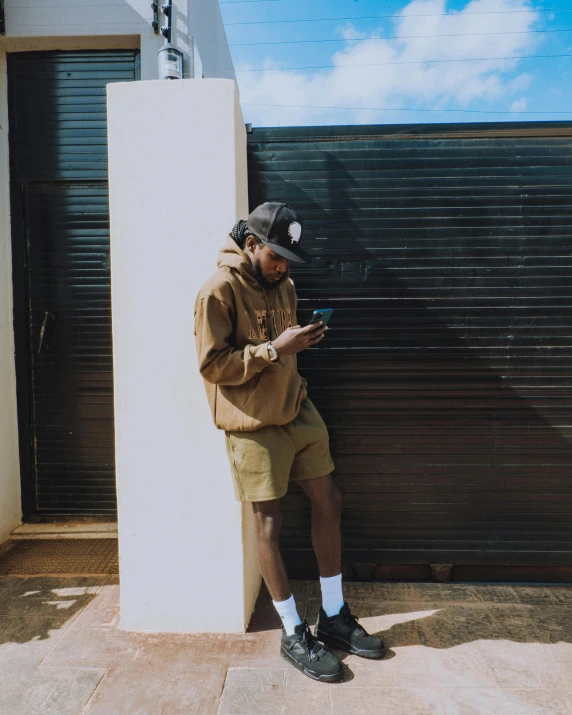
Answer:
[(265, 460)]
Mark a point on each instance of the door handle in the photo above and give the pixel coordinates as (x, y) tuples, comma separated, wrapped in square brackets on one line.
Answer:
[(46, 331)]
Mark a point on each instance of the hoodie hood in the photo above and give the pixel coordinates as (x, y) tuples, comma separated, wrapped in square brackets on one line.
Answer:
[(232, 256)]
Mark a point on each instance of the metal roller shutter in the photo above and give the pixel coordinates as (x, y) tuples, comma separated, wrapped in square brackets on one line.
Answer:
[(58, 149), (446, 252)]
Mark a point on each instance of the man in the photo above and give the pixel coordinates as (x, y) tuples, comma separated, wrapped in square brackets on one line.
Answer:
[(247, 340)]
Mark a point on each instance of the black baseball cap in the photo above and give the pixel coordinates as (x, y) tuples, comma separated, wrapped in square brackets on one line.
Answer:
[(279, 227)]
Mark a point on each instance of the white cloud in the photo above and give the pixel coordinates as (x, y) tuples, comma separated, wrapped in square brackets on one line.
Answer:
[(421, 84), (349, 32), (519, 105)]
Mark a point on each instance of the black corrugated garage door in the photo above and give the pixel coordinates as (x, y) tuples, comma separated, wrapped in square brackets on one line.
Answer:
[(446, 252), (60, 225)]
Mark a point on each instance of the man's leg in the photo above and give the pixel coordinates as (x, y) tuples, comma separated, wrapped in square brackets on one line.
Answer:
[(326, 538), (267, 525), (336, 625), (298, 646)]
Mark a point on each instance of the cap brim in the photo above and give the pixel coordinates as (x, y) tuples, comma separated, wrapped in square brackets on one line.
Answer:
[(299, 256)]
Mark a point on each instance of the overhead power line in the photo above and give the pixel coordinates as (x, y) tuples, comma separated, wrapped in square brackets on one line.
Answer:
[(407, 62), (395, 109), (393, 37), (381, 17), (242, 2)]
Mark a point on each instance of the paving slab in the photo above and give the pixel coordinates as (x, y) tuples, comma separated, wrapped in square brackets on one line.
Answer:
[(452, 649), (155, 688), (29, 690), (402, 700), (492, 701), (27, 640)]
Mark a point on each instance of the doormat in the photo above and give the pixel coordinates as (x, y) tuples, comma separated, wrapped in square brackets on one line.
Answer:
[(59, 556)]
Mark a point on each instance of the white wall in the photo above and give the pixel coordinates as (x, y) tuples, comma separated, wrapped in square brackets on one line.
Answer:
[(10, 510), (206, 25), (89, 18), (187, 560)]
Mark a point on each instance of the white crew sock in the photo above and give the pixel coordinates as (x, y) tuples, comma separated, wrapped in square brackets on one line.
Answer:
[(332, 598), (288, 613)]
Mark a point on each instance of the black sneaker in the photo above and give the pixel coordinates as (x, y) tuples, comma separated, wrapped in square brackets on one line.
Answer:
[(343, 631), (304, 652)]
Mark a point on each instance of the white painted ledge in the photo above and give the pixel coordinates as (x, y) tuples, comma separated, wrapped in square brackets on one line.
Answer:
[(66, 530)]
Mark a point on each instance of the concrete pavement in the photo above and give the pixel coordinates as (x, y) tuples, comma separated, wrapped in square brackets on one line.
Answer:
[(453, 649)]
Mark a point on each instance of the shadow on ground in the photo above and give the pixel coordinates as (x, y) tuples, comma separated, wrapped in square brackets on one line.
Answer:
[(30, 607), (441, 615)]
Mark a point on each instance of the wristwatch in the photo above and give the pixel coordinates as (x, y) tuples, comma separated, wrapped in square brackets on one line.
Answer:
[(272, 352)]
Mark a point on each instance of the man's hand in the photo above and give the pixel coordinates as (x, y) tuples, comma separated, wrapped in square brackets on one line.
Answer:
[(293, 340)]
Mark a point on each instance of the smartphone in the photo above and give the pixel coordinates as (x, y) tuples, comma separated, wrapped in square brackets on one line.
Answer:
[(322, 314)]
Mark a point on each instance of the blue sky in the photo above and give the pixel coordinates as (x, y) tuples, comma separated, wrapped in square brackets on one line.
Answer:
[(390, 61)]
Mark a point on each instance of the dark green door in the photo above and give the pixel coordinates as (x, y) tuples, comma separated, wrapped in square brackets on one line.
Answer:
[(60, 220)]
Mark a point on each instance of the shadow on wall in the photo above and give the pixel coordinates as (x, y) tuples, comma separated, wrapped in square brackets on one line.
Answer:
[(449, 439)]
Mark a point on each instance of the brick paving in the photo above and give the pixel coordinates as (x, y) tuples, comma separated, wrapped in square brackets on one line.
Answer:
[(452, 650)]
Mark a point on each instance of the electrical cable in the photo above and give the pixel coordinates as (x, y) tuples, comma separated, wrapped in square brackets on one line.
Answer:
[(395, 37), (394, 16), (406, 62), (396, 109)]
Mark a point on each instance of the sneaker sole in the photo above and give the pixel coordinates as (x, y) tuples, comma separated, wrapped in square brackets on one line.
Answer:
[(321, 678), (343, 645)]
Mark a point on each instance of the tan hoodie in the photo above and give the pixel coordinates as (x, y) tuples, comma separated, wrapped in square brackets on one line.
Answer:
[(234, 320)]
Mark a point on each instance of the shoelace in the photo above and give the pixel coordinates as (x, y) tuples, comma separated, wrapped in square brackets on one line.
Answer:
[(351, 620), (315, 650)]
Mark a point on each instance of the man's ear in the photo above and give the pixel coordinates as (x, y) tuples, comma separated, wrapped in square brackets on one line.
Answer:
[(250, 244)]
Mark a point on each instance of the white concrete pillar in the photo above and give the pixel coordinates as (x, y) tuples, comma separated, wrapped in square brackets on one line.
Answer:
[(178, 183)]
